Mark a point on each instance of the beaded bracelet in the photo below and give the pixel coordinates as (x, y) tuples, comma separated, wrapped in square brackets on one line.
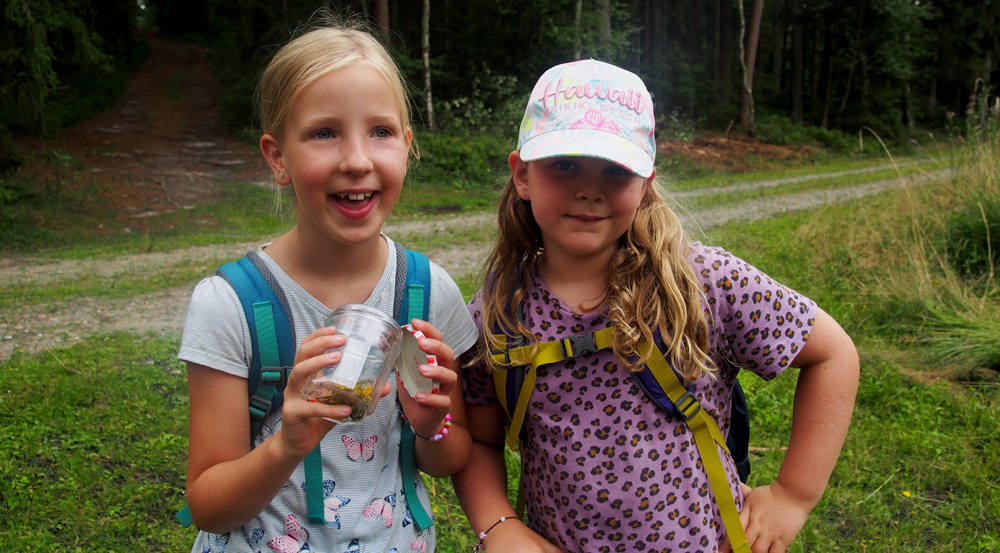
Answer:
[(444, 429), (482, 535)]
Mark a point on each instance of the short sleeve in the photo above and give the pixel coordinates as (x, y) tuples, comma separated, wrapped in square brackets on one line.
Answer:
[(449, 314), (477, 378), (754, 321), (216, 333)]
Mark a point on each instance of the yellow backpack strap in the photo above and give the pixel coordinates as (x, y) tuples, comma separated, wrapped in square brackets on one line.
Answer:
[(535, 356), (706, 436), (544, 354)]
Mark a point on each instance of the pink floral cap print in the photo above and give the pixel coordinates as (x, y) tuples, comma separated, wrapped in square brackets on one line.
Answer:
[(593, 109)]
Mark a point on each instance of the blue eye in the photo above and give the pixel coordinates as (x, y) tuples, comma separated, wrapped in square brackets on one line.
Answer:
[(564, 165), (618, 171), (382, 133), (323, 134)]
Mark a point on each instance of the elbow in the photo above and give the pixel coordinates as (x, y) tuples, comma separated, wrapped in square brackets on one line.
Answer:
[(204, 518)]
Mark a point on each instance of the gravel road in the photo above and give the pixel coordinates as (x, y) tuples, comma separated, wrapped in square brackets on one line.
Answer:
[(48, 325)]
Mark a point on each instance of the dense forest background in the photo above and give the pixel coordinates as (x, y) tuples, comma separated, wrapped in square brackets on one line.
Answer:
[(896, 66)]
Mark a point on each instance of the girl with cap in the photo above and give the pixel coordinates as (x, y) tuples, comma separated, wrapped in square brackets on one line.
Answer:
[(586, 243)]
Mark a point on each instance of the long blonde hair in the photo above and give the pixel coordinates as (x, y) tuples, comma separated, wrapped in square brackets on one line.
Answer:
[(650, 286)]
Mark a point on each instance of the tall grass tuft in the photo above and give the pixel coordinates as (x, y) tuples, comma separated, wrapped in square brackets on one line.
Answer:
[(950, 253)]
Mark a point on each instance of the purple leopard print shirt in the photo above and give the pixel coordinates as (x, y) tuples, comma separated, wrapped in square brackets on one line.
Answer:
[(606, 470)]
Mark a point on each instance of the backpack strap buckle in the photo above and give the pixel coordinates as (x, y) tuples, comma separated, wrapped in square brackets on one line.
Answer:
[(276, 376), (271, 380), (259, 407), (501, 356), (687, 406), (575, 346)]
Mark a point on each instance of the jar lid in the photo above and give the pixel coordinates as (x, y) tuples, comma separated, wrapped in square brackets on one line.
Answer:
[(409, 361)]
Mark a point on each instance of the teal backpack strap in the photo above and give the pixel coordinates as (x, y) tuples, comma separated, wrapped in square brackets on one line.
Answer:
[(271, 332), (184, 517), (412, 300), (272, 343), (270, 337), (418, 285)]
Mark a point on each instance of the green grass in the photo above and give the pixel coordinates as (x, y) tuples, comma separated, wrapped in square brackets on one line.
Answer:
[(122, 285), (93, 447), (94, 443), (809, 166), (60, 221), (918, 470)]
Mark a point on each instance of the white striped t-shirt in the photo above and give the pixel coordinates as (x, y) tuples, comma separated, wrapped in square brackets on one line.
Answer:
[(363, 484)]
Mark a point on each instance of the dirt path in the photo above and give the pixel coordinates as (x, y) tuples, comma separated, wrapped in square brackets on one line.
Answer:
[(49, 325), (165, 154), (160, 148)]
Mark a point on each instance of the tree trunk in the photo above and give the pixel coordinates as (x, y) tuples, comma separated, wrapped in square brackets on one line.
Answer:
[(829, 77), (907, 94), (932, 96), (727, 53), (797, 62), (382, 17), (716, 42), (983, 107), (656, 52), (577, 13), (817, 67), (425, 43), (854, 62), (694, 41), (779, 44), (865, 84), (647, 36), (749, 60), (604, 10)]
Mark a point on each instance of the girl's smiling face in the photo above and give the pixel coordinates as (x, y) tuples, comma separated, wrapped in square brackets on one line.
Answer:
[(582, 205), (344, 149)]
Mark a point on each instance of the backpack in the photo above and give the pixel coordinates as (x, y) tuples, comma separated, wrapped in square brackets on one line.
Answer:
[(514, 375), (273, 339)]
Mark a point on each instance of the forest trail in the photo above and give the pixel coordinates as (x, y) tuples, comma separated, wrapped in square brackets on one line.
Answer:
[(165, 154), (161, 147)]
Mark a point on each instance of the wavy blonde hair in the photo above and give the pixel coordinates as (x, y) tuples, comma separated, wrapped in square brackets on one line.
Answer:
[(650, 286)]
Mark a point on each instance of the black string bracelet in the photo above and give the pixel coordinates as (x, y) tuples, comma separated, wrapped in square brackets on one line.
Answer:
[(482, 535)]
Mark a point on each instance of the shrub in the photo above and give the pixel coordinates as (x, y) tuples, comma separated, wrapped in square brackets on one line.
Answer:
[(10, 158), (778, 129), (462, 161), (973, 237), (493, 105)]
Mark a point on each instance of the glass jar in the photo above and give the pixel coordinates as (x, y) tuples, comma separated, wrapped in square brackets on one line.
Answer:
[(373, 345)]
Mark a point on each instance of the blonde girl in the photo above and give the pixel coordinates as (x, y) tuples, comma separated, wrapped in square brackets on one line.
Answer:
[(586, 241), (337, 131)]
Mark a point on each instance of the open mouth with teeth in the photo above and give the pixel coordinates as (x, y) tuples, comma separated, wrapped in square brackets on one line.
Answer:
[(353, 201)]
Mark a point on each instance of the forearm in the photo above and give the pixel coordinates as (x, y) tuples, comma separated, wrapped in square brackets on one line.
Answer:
[(446, 456), (231, 493), (481, 487), (824, 402)]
